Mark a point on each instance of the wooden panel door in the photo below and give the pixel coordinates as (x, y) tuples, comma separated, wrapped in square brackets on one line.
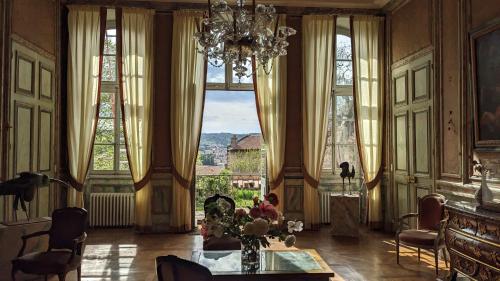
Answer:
[(31, 121), (412, 129)]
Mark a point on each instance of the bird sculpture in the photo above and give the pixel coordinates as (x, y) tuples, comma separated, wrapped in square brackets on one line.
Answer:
[(344, 174)]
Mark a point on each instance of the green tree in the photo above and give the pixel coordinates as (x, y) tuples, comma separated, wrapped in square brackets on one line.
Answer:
[(207, 186), (208, 159), (245, 161)]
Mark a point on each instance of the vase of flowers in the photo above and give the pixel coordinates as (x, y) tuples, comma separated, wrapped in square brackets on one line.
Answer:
[(253, 226), (484, 193)]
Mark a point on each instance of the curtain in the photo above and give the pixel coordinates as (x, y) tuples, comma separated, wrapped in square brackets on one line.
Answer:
[(86, 40), (270, 97), (186, 112), (369, 107), (318, 50), (136, 85)]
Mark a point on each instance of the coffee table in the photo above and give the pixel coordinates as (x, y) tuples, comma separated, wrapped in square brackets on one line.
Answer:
[(289, 265)]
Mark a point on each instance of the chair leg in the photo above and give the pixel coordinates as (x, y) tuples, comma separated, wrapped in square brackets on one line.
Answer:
[(436, 259), (62, 276), (13, 273), (79, 272), (445, 256), (397, 251), (418, 254)]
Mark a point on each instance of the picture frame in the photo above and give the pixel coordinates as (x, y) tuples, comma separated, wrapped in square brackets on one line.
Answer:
[(485, 88)]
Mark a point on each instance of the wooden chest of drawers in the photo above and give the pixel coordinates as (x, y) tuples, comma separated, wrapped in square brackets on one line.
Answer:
[(473, 241)]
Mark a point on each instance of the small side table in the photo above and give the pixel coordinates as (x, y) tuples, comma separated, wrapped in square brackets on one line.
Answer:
[(344, 215)]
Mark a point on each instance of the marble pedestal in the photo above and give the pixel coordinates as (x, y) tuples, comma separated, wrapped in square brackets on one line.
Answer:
[(344, 215)]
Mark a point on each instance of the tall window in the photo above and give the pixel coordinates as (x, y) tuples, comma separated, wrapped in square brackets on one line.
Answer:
[(341, 139), (110, 155)]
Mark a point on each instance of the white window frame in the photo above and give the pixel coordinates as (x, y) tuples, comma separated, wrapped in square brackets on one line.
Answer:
[(228, 84)]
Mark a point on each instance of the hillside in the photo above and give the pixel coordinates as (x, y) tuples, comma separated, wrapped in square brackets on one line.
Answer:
[(217, 139)]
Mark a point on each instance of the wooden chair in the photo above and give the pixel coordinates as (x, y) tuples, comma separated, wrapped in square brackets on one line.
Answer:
[(430, 230), (64, 254), (172, 268), (226, 242)]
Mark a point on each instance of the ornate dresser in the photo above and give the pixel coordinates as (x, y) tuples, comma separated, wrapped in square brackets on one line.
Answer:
[(473, 241)]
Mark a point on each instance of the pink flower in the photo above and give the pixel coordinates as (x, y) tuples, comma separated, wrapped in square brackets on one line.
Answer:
[(204, 231), (240, 213), (255, 212), (268, 211)]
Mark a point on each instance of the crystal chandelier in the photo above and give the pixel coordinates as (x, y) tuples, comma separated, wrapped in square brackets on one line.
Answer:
[(233, 35)]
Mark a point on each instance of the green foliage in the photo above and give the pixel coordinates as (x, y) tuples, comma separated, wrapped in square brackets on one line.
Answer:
[(217, 139), (208, 159), (247, 161)]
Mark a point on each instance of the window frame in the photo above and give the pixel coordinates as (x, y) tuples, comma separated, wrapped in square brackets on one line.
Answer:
[(339, 90), (228, 84), (112, 87)]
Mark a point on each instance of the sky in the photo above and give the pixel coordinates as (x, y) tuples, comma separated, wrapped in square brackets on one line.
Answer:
[(230, 112)]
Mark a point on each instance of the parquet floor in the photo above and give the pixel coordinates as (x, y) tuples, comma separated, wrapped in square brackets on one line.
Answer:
[(119, 254)]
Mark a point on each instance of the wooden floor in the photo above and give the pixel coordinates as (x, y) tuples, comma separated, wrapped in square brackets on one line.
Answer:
[(120, 254)]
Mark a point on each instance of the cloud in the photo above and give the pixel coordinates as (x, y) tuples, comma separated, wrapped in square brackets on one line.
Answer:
[(232, 112)]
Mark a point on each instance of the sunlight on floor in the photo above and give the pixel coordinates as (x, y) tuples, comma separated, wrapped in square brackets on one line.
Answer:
[(426, 256), (108, 262)]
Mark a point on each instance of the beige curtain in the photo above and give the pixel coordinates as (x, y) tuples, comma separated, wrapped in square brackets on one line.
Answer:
[(84, 69), (318, 33), (136, 75), (270, 93), (369, 106), (186, 112)]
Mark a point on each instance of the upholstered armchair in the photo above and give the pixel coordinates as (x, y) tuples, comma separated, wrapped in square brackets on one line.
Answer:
[(226, 242), (431, 225), (172, 268), (64, 254)]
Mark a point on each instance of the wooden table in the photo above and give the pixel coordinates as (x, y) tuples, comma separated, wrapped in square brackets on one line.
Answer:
[(289, 265)]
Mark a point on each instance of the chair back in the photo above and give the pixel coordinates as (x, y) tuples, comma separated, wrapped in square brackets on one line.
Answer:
[(216, 197), (172, 268), (430, 211), (67, 224)]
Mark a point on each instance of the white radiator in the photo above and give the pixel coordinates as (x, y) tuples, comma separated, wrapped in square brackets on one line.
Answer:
[(111, 209), (324, 207)]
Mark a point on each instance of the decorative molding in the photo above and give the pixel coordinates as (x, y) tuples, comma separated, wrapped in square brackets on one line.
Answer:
[(31, 108), (50, 132), (20, 40), (416, 55), (24, 57)]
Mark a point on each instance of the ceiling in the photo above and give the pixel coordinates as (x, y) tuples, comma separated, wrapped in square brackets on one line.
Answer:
[(360, 4)]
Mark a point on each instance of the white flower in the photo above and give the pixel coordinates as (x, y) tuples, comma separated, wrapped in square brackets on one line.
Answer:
[(261, 227), (295, 226), (218, 230), (290, 240)]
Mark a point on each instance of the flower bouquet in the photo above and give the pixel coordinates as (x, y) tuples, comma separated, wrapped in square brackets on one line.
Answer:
[(253, 226)]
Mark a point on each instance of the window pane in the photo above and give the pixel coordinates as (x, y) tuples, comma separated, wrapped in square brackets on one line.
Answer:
[(245, 79), (122, 136), (344, 108), (123, 158), (107, 107), (344, 51), (109, 68), (103, 157), (111, 32), (327, 160), (216, 74), (110, 45), (344, 132), (344, 73), (346, 153), (105, 131)]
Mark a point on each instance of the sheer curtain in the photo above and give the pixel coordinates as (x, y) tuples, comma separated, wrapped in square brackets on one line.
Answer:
[(318, 50), (270, 95), (369, 106), (86, 41), (186, 113), (136, 85)]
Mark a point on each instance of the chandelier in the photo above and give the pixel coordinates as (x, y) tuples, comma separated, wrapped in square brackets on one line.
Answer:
[(233, 35)]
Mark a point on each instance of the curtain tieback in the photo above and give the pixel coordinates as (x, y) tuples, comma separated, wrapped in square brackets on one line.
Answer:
[(278, 180), (310, 179), (371, 184), (180, 179), (74, 182), (147, 177)]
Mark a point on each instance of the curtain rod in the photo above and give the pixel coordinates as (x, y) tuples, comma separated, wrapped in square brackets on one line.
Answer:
[(169, 7)]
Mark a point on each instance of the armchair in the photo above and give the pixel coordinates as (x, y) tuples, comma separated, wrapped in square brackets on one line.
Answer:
[(64, 254), (225, 242), (431, 225), (172, 268)]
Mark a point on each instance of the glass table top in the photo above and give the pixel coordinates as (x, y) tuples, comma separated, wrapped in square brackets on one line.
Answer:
[(271, 262)]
